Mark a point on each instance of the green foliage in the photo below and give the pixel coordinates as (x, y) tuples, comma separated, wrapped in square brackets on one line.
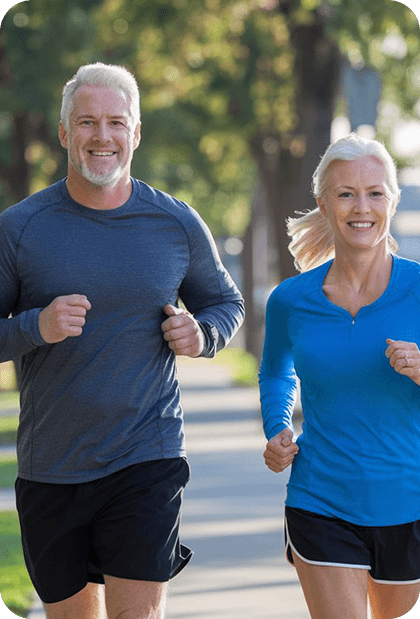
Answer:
[(385, 35), (213, 75), (33, 34)]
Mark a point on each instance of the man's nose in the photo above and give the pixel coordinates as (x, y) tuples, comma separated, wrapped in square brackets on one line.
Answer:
[(102, 132)]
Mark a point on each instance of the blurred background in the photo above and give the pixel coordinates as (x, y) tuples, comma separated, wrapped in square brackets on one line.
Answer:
[(239, 100)]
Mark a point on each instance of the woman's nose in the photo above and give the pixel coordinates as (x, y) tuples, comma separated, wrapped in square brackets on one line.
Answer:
[(362, 204)]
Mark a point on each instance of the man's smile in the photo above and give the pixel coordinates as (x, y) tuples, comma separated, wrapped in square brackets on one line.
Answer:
[(100, 153)]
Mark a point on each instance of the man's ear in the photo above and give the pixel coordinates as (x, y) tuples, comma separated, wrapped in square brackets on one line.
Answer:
[(137, 136), (62, 134)]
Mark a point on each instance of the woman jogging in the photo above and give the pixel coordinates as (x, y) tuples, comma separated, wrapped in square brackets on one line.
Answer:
[(348, 326)]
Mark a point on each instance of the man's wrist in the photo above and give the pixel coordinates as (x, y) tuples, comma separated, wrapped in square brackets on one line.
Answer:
[(211, 339)]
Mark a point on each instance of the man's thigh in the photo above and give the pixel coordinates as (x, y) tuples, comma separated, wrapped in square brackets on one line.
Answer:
[(89, 603), (125, 525), (134, 599), (136, 534)]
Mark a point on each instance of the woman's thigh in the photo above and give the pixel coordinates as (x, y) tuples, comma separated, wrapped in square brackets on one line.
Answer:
[(391, 601), (332, 592)]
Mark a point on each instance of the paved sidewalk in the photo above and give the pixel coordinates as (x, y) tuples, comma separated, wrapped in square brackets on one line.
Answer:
[(233, 509)]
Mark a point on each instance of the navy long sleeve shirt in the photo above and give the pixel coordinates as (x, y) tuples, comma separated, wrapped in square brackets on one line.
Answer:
[(97, 403)]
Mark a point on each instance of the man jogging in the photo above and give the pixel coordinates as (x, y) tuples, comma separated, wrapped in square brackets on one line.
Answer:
[(91, 270)]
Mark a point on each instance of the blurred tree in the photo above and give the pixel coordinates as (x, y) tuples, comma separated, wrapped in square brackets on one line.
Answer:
[(234, 86), (41, 43), (231, 90)]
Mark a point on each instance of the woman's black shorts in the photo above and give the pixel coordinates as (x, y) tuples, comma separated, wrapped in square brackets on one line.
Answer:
[(124, 525), (390, 554)]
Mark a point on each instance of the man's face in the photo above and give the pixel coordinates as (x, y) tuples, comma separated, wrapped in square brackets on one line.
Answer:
[(100, 139)]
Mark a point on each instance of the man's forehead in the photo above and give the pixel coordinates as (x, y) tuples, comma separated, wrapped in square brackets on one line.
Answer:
[(91, 100)]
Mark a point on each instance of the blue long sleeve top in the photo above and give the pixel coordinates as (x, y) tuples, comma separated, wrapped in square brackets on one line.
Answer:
[(359, 451), (97, 403)]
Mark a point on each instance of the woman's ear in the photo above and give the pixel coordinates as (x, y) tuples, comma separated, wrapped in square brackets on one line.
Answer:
[(321, 206)]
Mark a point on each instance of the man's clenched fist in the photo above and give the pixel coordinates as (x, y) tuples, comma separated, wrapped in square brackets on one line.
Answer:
[(182, 332), (64, 317)]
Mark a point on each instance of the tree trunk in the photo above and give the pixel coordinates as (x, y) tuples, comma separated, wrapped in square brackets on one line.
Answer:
[(20, 173), (286, 173)]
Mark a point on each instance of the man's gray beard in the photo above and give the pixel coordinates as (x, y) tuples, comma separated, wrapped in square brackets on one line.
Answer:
[(101, 180)]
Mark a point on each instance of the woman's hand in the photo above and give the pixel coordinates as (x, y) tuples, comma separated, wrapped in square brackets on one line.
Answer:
[(404, 357), (280, 451)]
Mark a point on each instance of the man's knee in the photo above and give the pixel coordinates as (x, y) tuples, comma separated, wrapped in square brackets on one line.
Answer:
[(138, 614), (133, 614)]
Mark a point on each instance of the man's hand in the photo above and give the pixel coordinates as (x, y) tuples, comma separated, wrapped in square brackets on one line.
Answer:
[(404, 357), (64, 317), (182, 332), (280, 451)]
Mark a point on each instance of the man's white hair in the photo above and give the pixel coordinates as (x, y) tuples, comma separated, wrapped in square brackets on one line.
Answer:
[(100, 74)]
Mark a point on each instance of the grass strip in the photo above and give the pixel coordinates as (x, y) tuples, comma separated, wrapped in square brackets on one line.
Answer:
[(8, 471), (242, 366), (9, 400), (15, 585), (8, 430)]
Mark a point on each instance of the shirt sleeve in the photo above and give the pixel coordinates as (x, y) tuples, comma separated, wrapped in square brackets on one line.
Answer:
[(277, 377), (208, 291), (19, 331)]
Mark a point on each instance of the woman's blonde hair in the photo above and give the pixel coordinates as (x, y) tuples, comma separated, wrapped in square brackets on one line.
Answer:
[(312, 236)]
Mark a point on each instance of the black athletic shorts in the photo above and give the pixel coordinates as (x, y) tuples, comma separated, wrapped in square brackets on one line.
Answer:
[(390, 554), (124, 525)]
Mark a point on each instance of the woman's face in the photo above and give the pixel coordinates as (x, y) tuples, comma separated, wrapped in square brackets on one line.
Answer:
[(357, 203)]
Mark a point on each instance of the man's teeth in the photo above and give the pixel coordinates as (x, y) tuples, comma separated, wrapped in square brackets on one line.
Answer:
[(357, 224), (98, 153)]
